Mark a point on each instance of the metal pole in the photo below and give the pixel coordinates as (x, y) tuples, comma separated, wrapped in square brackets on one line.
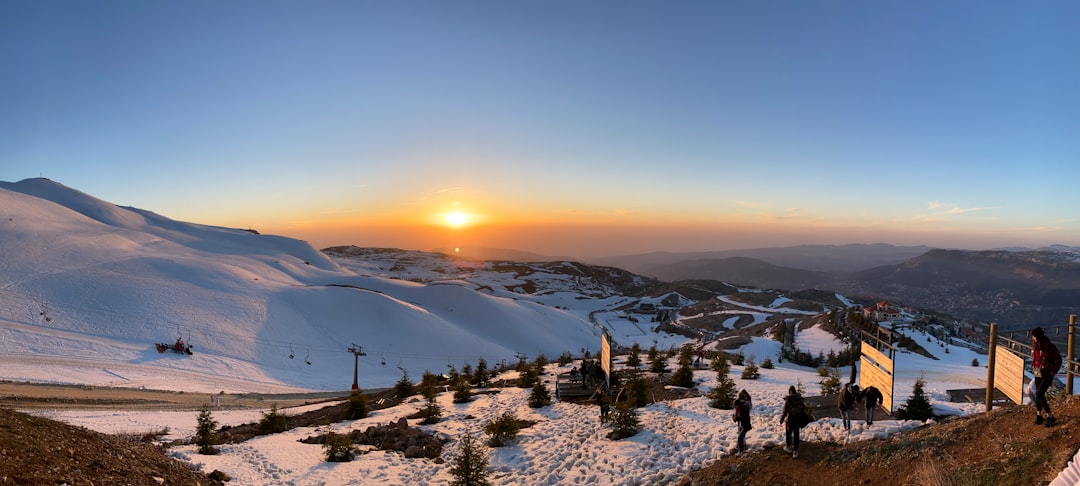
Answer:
[(357, 352), (1069, 356), (990, 367)]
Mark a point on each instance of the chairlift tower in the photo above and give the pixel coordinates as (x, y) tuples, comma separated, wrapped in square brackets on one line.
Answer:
[(357, 352)]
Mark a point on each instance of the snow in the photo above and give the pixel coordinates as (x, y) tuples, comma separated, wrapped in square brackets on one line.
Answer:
[(87, 287)]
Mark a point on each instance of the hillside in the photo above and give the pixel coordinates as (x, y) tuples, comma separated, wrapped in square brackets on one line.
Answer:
[(1002, 448), (41, 451)]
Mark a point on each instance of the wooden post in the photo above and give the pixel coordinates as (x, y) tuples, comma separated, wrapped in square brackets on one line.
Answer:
[(990, 368), (1069, 356)]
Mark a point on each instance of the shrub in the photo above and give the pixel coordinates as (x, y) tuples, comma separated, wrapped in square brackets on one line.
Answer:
[(637, 390), (430, 413), (481, 377), (358, 406), (917, 406), (462, 391), (723, 395), (750, 371), (831, 384), (738, 358), (404, 387), (273, 422), (470, 466), (684, 376), (634, 359), (539, 397), (338, 448), (975, 362), (502, 430), (657, 361), (624, 422), (528, 376), (205, 437), (565, 358), (767, 364)]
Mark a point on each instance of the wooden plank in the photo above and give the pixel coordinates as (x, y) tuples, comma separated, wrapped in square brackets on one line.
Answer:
[(877, 357), (870, 374), (1009, 374)]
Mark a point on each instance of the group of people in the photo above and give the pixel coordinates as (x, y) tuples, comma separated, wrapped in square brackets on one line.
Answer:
[(850, 394), (795, 416)]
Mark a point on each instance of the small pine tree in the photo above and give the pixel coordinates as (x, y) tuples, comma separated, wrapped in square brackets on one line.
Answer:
[(637, 390), (404, 387), (750, 371), (738, 358), (205, 437), (358, 406), (541, 361), (430, 413), (565, 358), (429, 386), (720, 365), (634, 359), (624, 422), (917, 406), (502, 430), (462, 391), (723, 395), (684, 376), (481, 377), (539, 396), (831, 384), (470, 466), (657, 361), (975, 362), (338, 448), (528, 376), (273, 422), (767, 364)]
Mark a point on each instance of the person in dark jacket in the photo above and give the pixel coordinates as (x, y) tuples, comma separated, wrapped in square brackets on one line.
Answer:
[(794, 410), (743, 404), (1045, 362), (846, 402), (872, 397)]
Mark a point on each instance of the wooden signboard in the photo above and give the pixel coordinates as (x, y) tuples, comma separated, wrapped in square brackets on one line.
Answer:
[(1009, 374), (877, 370), (605, 358)]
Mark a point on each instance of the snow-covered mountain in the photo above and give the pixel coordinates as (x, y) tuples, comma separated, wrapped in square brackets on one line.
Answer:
[(88, 287)]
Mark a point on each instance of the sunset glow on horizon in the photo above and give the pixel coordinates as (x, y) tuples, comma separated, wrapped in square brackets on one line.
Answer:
[(558, 128)]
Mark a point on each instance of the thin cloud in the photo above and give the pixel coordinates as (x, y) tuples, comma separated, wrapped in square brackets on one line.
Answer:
[(969, 210)]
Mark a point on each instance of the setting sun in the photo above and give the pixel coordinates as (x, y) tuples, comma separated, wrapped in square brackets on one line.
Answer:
[(457, 219)]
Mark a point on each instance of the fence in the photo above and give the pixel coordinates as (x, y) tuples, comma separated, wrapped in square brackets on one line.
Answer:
[(1009, 369)]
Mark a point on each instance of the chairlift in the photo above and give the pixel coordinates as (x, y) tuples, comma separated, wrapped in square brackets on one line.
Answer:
[(382, 359), (306, 358), (291, 353)]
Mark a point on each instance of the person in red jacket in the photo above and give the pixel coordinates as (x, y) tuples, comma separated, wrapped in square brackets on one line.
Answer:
[(1045, 362)]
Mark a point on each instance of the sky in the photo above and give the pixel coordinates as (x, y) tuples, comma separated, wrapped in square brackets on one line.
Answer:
[(560, 128)]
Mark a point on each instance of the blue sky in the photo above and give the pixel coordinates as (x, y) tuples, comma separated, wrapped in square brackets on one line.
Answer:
[(580, 128)]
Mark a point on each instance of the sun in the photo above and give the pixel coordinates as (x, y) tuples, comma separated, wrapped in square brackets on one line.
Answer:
[(457, 219)]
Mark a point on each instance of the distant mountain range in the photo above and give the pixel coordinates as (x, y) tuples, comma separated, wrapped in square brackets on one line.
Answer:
[(1017, 288)]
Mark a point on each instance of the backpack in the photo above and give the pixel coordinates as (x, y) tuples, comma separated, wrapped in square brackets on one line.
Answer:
[(1052, 361)]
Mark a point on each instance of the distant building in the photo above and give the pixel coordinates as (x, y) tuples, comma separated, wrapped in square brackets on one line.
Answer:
[(882, 311), (646, 308)]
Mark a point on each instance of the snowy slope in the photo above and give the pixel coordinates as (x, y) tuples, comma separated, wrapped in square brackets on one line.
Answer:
[(86, 280)]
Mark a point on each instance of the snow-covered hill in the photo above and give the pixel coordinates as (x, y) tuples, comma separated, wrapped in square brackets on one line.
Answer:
[(87, 288)]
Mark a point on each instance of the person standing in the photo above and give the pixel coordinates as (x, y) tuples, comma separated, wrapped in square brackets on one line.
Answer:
[(793, 416), (743, 404), (873, 398), (846, 402), (1045, 362)]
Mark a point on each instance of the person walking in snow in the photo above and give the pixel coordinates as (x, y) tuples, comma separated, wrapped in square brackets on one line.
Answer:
[(743, 404), (873, 398), (793, 416), (846, 402), (1045, 362)]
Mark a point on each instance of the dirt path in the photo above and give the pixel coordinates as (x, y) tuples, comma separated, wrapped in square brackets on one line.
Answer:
[(26, 396)]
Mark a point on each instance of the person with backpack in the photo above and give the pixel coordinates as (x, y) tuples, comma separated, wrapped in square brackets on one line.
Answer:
[(1045, 363), (846, 402), (873, 398), (741, 416), (794, 416)]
